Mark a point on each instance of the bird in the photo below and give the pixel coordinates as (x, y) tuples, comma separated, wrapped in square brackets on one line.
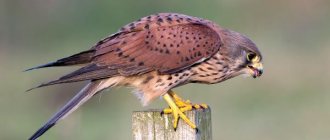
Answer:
[(153, 55)]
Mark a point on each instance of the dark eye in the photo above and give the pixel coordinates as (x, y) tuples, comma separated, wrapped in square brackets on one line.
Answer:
[(250, 56)]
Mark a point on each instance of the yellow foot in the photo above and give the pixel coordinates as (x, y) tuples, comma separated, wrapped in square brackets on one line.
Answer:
[(183, 105), (177, 107)]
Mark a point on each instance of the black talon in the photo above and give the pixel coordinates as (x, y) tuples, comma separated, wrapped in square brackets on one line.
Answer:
[(174, 129), (162, 113), (197, 130)]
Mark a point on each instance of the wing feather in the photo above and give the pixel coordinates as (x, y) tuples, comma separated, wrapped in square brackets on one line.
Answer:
[(164, 47)]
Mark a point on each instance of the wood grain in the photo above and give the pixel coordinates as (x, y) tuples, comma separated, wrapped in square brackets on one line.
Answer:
[(150, 125)]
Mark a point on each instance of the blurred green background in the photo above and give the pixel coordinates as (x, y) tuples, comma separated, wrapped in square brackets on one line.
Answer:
[(291, 101)]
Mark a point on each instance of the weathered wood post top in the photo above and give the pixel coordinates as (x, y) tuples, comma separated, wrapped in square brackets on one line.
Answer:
[(151, 125)]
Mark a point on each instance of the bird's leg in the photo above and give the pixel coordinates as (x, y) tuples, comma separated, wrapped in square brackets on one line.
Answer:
[(177, 112), (182, 104)]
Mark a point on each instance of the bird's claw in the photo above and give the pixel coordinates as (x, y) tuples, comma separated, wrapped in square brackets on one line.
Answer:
[(177, 107), (200, 106), (185, 108), (178, 113)]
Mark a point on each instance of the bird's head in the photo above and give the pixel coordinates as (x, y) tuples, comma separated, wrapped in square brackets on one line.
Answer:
[(253, 65), (244, 55)]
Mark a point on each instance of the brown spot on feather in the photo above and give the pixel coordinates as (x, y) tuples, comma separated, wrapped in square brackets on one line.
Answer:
[(147, 79), (159, 80)]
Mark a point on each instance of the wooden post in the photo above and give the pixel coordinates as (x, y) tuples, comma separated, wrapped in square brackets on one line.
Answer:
[(150, 125)]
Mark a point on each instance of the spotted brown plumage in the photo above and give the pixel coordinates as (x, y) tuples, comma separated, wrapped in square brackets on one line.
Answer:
[(155, 54)]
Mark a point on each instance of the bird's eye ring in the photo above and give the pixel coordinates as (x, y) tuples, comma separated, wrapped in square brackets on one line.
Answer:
[(251, 56)]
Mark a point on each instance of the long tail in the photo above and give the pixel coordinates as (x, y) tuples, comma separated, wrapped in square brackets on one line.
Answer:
[(84, 95)]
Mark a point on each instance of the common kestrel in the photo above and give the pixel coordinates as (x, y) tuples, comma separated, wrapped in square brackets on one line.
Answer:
[(154, 55)]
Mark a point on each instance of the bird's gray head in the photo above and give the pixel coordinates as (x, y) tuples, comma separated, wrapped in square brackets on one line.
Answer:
[(243, 53)]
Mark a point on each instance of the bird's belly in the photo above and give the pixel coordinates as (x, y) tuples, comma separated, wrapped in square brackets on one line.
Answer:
[(152, 85)]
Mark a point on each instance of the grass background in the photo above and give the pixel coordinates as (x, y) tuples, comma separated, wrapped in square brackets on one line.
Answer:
[(289, 102)]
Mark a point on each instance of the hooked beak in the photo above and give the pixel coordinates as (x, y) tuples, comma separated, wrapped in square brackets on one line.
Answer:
[(256, 69)]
